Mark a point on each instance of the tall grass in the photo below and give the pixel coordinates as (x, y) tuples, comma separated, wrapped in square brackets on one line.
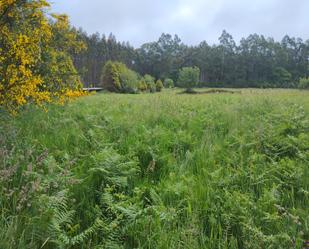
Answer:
[(158, 171)]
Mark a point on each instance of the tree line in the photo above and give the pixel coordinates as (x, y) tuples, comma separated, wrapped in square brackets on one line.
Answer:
[(256, 61), (44, 59)]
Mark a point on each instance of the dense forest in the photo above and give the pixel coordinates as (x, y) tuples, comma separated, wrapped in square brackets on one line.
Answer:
[(256, 61)]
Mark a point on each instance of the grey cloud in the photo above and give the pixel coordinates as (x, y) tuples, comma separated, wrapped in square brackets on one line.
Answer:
[(140, 21)]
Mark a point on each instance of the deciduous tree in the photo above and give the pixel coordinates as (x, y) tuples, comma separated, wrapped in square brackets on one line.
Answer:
[(189, 77)]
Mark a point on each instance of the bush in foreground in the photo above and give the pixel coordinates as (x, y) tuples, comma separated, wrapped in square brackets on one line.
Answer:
[(35, 61)]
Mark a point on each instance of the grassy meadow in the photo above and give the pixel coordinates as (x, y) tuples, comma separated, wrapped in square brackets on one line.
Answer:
[(158, 171)]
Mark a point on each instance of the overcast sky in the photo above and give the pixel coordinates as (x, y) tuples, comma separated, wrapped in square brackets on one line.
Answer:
[(140, 21)]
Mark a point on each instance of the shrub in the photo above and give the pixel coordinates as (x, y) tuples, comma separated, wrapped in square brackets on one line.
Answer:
[(116, 77), (159, 86), (35, 55), (60, 73), (188, 77), (168, 83), (142, 86), (110, 79), (303, 83), (150, 82), (129, 81)]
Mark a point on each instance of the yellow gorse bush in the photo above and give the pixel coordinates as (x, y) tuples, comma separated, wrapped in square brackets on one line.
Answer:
[(35, 65), (69, 95)]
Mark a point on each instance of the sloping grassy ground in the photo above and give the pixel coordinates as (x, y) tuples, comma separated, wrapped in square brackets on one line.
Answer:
[(158, 171)]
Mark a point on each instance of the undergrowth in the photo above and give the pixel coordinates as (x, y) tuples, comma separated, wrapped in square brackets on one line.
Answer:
[(157, 171)]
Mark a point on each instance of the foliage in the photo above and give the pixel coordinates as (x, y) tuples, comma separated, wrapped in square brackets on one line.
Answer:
[(303, 83), (189, 77), (22, 29), (100, 50), (281, 76), (129, 80), (256, 61), (150, 82), (161, 58), (142, 86), (30, 46), (159, 85), (57, 68), (168, 83), (110, 79), (158, 171), (116, 77)]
